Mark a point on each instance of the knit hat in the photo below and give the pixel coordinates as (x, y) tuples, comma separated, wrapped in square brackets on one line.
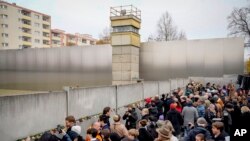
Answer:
[(76, 129), (148, 100), (202, 122), (173, 106)]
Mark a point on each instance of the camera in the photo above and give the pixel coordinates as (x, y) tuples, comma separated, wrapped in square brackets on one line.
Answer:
[(59, 128)]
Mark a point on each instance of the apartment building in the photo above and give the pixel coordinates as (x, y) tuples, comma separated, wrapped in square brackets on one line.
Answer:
[(59, 38), (23, 28)]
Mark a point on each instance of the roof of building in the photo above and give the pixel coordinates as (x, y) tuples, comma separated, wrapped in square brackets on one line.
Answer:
[(57, 30)]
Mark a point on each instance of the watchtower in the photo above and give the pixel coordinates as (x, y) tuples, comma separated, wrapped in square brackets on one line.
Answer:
[(125, 40)]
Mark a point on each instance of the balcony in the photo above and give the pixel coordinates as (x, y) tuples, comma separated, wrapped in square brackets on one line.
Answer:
[(26, 34), (58, 38), (25, 17), (26, 23), (27, 43), (46, 22), (46, 30), (46, 42)]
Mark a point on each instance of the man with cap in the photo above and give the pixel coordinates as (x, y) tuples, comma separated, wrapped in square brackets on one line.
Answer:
[(199, 129)]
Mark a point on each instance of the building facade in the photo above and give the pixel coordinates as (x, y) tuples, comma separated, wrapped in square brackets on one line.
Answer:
[(60, 39), (23, 28)]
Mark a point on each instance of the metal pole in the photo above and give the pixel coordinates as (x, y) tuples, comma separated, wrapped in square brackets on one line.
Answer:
[(67, 89), (158, 88), (143, 93), (116, 99)]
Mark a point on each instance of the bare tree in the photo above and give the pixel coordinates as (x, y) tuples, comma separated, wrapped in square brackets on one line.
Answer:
[(104, 36), (167, 31), (239, 22)]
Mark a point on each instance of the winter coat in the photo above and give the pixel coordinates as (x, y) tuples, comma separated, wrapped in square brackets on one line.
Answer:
[(244, 120), (197, 130), (166, 105), (201, 110), (151, 128), (176, 120), (189, 114), (144, 135), (72, 134), (209, 116), (115, 137), (159, 105), (130, 120), (153, 111), (120, 129), (221, 137), (146, 117)]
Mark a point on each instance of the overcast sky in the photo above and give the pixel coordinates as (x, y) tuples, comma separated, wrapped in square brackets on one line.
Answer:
[(198, 18)]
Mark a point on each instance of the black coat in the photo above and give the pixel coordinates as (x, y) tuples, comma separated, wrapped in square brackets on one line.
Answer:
[(166, 105), (244, 121), (221, 137), (145, 117), (176, 120), (144, 135), (159, 105), (197, 130), (153, 111), (130, 120)]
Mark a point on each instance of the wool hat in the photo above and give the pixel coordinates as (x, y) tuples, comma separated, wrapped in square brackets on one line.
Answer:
[(148, 100), (173, 106), (76, 129), (202, 122)]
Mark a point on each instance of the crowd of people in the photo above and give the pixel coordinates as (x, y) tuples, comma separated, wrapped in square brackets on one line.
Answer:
[(198, 113)]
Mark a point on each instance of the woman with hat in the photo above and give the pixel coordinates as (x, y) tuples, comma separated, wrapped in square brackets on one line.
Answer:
[(165, 133)]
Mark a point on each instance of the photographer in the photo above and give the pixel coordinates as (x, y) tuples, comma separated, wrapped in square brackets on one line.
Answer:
[(131, 117)]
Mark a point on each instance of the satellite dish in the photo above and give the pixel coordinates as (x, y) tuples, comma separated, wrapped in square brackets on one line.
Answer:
[(123, 12)]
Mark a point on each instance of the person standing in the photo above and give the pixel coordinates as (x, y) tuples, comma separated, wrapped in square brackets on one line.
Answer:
[(189, 114), (131, 117), (175, 118), (118, 127), (217, 129)]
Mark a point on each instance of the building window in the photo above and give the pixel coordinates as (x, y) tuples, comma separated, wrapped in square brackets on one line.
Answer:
[(3, 6), (37, 32), (3, 16), (5, 35), (84, 40), (37, 41), (4, 25), (45, 18), (37, 25), (37, 16), (5, 44), (125, 29)]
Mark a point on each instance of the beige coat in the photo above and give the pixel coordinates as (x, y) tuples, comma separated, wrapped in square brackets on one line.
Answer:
[(120, 129)]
